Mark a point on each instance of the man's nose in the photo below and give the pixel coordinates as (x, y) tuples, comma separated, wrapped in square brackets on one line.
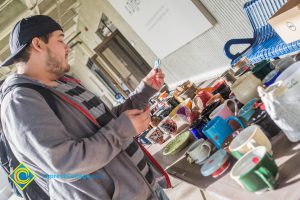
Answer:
[(67, 48)]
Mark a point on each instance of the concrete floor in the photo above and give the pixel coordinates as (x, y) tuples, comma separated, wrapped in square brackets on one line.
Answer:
[(180, 191), (183, 191)]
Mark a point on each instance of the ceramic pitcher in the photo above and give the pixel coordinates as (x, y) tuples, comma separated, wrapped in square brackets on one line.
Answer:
[(282, 103), (245, 88)]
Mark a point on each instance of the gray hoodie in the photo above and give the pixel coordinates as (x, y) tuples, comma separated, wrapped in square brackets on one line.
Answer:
[(73, 145)]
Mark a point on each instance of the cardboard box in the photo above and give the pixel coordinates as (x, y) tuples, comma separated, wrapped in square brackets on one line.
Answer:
[(286, 21)]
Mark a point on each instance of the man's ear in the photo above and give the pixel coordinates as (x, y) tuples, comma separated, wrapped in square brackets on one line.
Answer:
[(37, 44)]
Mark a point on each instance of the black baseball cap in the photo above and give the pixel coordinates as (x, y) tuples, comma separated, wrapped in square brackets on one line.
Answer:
[(27, 29)]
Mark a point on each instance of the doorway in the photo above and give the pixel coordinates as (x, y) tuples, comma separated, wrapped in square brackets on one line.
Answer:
[(123, 59)]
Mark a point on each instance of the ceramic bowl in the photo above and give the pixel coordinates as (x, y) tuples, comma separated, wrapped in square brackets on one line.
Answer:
[(177, 144)]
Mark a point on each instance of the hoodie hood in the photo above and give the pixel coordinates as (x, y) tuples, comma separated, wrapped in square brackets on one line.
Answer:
[(13, 80)]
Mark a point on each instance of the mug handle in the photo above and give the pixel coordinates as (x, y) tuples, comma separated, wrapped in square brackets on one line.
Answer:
[(207, 145), (235, 106), (236, 119), (266, 176), (251, 144)]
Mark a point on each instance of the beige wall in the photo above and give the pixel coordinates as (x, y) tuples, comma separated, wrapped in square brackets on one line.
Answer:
[(200, 59)]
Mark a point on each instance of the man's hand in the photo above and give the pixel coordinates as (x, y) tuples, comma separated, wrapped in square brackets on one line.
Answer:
[(140, 119), (155, 78)]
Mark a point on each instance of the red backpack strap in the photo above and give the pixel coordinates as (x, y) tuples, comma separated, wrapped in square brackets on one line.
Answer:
[(80, 108), (72, 80), (156, 164)]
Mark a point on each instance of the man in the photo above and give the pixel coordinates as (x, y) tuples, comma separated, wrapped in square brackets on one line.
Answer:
[(83, 137)]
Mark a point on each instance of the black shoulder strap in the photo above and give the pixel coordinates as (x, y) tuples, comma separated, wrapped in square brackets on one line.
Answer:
[(34, 191), (47, 94)]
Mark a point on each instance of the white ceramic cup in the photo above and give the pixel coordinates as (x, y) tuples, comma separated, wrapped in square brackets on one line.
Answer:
[(199, 151), (248, 139)]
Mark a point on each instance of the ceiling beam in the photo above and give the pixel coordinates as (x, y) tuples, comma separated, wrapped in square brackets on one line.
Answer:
[(64, 7), (5, 3), (33, 5)]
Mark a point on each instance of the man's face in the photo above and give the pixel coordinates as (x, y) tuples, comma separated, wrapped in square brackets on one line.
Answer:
[(57, 54)]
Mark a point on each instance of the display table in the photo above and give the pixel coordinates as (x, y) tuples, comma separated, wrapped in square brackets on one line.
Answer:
[(286, 155)]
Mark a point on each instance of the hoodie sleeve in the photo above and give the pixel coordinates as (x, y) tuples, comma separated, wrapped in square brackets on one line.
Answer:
[(34, 130), (138, 99)]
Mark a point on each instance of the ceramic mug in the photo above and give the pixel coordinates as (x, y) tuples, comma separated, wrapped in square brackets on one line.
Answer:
[(263, 119), (218, 129), (228, 108), (247, 110), (228, 76), (256, 171), (242, 66), (221, 88), (214, 98), (248, 139), (196, 128), (228, 140), (208, 109), (201, 98), (179, 121), (225, 110), (199, 151), (262, 69), (245, 87)]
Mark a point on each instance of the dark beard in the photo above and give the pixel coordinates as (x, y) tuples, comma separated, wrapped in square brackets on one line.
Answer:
[(54, 66)]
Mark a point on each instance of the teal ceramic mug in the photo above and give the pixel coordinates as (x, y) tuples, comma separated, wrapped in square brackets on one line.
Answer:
[(256, 171), (218, 129), (247, 110)]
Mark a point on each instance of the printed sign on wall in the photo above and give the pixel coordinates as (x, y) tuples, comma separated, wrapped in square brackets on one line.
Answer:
[(164, 25)]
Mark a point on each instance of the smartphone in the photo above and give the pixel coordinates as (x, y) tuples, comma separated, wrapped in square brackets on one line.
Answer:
[(157, 64)]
